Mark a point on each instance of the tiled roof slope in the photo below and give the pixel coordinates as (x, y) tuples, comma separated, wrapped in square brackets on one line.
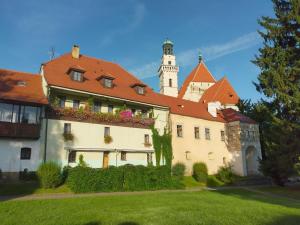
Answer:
[(20, 86), (230, 115), (199, 74), (55, 72), (221, 91)]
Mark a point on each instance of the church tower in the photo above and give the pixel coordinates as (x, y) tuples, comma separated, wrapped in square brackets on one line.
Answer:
[(168, 71)]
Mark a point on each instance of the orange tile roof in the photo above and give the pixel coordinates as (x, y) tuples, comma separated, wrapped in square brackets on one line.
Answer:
[(11, 87), (55, 72), (199, 74), (221, 91), (231, 115)]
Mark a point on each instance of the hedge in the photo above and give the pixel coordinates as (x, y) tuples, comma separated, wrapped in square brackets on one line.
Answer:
[(200, 171), (123, 178)]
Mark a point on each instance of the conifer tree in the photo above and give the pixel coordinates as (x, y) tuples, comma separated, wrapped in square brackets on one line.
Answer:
[(279, 82)]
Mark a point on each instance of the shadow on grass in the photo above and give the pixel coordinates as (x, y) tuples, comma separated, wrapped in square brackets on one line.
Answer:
[(285, 220), (257, 196), (122, 223)]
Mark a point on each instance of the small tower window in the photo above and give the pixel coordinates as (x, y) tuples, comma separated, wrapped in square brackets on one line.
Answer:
[(170, 82), (169, 62)]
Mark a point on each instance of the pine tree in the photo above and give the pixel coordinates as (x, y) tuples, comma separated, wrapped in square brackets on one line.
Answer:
[(279, 81)]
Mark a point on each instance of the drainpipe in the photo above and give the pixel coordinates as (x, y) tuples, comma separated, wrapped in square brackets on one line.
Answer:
[(46, 132)]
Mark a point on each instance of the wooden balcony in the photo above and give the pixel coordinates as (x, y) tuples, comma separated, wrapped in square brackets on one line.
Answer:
[(19, 130)]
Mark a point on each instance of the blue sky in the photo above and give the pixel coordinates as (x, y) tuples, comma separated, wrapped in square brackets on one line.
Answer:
[(130, 32)]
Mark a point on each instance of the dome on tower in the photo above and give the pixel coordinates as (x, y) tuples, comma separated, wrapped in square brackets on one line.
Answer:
[(168, 41)]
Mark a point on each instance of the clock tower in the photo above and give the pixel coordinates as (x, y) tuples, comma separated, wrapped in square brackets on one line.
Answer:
[(168, 71)]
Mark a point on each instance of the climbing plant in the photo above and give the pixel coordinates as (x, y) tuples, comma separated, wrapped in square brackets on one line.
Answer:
[(162, 145)]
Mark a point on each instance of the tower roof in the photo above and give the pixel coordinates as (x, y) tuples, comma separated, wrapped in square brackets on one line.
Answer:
[(168, 41), (199, 74), (221, 91)]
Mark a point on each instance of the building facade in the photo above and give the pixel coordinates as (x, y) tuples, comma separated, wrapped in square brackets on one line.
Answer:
[(79, 106)]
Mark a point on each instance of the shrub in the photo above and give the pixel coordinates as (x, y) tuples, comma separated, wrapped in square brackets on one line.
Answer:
[(81, 161), (123, 178), (200, 172), (213, 181), (107, 139), (178, 170), (49, 174), (225, 175), (26, 175)]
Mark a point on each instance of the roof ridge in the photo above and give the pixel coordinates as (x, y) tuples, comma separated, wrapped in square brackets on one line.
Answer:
[(218, 89), (208, 71), (17, 71)]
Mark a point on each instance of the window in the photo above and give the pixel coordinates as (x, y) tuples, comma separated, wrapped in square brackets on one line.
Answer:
[(6, 112), (196, 132), (76, 75), (123, 156), (19, 113), (207, 133), (62, 101), (144, 113), (97, 106), (179, 131), (29, 114), (110, 108), (146, 139), (25, 153), (140, 90), (76, 104), (222, 135), (67, 128), (106, 131), (211, 156), (72, 157), (169, 62), (107, 82), (149, 158), (170, 82), (187, 155)]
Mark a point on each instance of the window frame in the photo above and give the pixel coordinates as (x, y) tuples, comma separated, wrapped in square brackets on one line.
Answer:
[(123, 156), (106, 131), (67, 128), (146, 139), (170, 82), (207, 133), (177, 133), (25, 155), (72, 157), (76, 102), (110, 107), (198, 132), (76, 75), (222, 133)]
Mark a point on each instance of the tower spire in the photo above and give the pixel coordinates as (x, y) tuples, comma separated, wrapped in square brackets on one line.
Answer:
[(199, 56)]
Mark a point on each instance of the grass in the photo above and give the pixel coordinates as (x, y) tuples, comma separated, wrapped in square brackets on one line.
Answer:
[(25, 188), (190, 182), (227, 207)]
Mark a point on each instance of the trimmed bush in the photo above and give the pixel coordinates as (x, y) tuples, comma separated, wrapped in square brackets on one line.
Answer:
[(123, 178), (178, 170), (200, 172), (49, 175), (225, 175), (213, 181)]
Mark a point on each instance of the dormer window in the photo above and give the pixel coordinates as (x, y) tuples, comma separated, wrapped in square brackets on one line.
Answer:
[(106, 81), (21, 83), (139, 88), (76, 74)]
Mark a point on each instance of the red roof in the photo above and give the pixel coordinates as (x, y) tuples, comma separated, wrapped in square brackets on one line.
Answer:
[(199, 74), (221, 91), (20, 86), (55, 72), (230, 115)]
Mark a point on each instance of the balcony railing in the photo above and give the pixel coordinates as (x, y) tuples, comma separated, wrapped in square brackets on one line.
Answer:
[(19, 130), (117, 119)]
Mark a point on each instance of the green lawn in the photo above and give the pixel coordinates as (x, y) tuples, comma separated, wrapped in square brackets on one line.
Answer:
[(291, 192), (190, 182), (228, 207)]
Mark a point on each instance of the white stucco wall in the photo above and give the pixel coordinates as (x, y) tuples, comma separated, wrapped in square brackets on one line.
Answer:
[(195, 90), (10, 152), (91, 136)]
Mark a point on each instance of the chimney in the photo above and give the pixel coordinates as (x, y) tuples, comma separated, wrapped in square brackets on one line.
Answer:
[(75, 52)]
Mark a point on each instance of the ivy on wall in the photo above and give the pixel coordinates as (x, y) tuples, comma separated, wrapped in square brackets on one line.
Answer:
[(162, 145)]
